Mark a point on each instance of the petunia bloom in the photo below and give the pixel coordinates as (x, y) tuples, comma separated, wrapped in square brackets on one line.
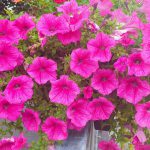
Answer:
[(20, 142), (104, 7), (81, 63), (133, 89), (24, 24), (100, 47), (108, 145), (50, 25), (43, 70), (19, 89), (137, 66), (63, 91), (9, 56), (69, 37), (31, 120), (73, 14), (9, 111), (121, 65), (7, 144), (8, 32), (104, 81), (101, 108), (143, 114), (55, 129), (78, 113), (87, 92), (13, 143)]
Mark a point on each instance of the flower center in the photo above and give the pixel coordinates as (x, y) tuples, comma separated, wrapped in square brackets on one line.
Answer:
[(148, 110), (137, 61), (16, 86), (2, 33), (103, 47), (5, 106), (25, 27), (80, 61), (134, 84), (103, 79), (42, 69), (65, 87), (1, 53)]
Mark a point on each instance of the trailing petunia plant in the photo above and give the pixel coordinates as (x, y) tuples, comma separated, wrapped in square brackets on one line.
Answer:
[(64, 64)]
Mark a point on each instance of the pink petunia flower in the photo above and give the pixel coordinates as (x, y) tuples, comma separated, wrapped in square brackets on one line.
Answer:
[(55, 129), (69, 37), (59, 1), (74, 15), (7, 144), (137, 66), (43, 70), (64, 91), (9, 56), (78, 113), (20, 142), (81, 63), (50, 25), (104, 7), (108, 145), (24, 24), (121, 64), (13, 143), (9, 111), (31, 120), (101, 108), (143, 114), (104, 81), (42, 39), (8, 32), (19, 89), (100, 47), (71, 126), (87, 92), (133, 89)]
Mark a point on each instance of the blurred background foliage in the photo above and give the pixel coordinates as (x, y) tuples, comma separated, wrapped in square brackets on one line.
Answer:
[(123, 117)]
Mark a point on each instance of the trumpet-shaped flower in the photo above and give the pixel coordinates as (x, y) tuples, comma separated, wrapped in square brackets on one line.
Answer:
[(78, 112), (82, 63), (24, 24), (31, 120), (43, 70), (100, 47), (19, 89), (104, 81), (101, 108), (55, 129), (63, 91), (133, 89)]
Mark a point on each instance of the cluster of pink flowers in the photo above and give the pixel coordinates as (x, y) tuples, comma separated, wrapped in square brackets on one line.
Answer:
[(126, 77)]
